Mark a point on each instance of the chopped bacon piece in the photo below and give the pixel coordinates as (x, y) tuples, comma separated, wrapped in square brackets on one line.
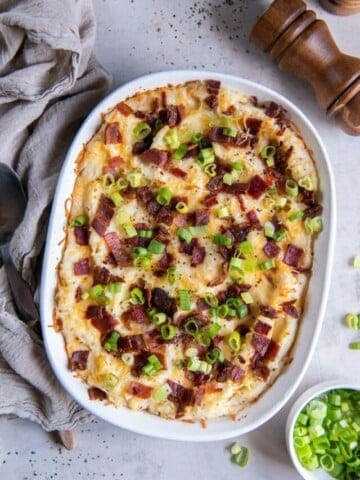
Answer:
[(272, 351), (155, 343), (281, 159), (236, 188), (212, 101), (140, 360), (100, 318), (200, 319), (117, 248), (170, 115), (262, 328), (124, 108), (142, 145), (262, 371), (291, 310), (78, 360), (153, 207), (82, 267), (313, 211), (210, 201), (199, 395), (181, 396), (197, 255), (96, 394), (155, 156), (144, 195), (103, 215), (198, 378), (235, 290), (257, 187), (201, 217), (192, 151), (260, 343), (240, 232), (78, 294), (180, 220), (274, 110), (131, 343), (270, 249), (163, 302), (165, 261), (215, 185), (253, 219), (201, 305), (164, 215), (253, 125), (139, 390), (177, 172), (136, 313), (212, 86), (268, 311), (163, 99), (228, 371), (292, 255), (112, 134), (114, 165), (162, 234), (81, 235), (216, 135)]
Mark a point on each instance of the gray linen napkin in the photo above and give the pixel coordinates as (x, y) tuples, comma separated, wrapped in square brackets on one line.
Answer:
[(49, 81)]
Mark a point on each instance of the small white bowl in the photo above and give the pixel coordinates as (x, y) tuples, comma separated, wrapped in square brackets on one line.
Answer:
[(300, 403)]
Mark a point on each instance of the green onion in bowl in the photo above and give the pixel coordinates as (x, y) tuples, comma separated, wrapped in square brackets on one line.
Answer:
[(323, 432)]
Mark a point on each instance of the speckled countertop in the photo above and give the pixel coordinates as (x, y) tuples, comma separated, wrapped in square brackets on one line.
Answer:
[(140, 36)]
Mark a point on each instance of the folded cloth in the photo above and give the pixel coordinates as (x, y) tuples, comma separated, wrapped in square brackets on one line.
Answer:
[(49, 80)]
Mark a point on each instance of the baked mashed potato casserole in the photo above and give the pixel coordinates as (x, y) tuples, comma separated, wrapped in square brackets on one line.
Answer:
[(188, 251)]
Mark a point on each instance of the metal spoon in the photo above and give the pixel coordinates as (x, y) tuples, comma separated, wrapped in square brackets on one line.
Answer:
[(12, 209)]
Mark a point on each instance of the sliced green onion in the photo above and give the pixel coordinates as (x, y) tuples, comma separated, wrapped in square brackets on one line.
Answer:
[(171, 138), (210, 169), (134, 179), (222, 212), (245, 248), (296, 216), (239, 167), (306, 183), (191, 326), (241, 458), (234, 341), (141, 130), (180, 152), (79, 221), (96, 291), (191, 352), (317, 224), (236, 263), (164, 196), (121, 184), (223, 240), (198, 230), (156, 247), (236, 275), (111, 344), (121, 217), (137, 296), (356, 262), (213, 330), (280, 235), (130, 230), (247, 298), (142, 263), (203, 338), (161, 393), (267, 151), (215, 355), (184, 234), (113, 288), (249, 265), (211, 299), (269, 229), (107, 180), (145, 233), (354, 345), (280, 202), (268, 264), (171, 275), (184, 300), (206, 156), (139, 252), (270, 162), (168, 331), (291, 187), (181, 207), (229, 132), (228, 179), (158, 318), (196, 137), (194, 364), (152, 366), (116, 198), (242, 311), (352, 321)]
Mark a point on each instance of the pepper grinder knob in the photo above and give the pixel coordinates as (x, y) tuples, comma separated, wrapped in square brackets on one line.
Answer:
[(303, 45)]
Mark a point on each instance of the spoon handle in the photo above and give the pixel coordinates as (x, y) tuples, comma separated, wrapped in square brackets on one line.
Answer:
[(23, 298)]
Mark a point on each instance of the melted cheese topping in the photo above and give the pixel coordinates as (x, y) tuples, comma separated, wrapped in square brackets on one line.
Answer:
[(113, 372)]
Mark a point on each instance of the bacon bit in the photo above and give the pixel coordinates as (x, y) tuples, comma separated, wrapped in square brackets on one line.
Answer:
[(103, 215), (272, 351), (117, 248), (124, 108), (136, 313), (236, 290), (140, 360), (202, 217), (144, 195), (104, 277), (155, 343), (100, 318), (253, 125), (281, 158), (215, 185), (200, 319), (131, 343), (164, 215), (177, 172), (230, 111), (236, 188), (268, 311), (260, 343), (165, 261), (180, 220), (276, 111), (197, 378), (82, 267), (262, 371), (81, 235), (210, 201), (181, 396), (112, 134), (257, 187), (170, 115), (291, 310), (78, 360), (142, 145), (270, 249), (253, 219), (292, 255), (110, 260), (307, 197), (212, 101), (240, 199), (201, 305), (226, 370), (139, 390), (240, 232), (192, 150), (188, 340), (262, 328), (163, 302), (212, 86), (197, 256), (219, 278), (155, 156), (216, 135), (78, 295), (313, 211), (114, 165), (96, 394), (199, 395), (163, 99)]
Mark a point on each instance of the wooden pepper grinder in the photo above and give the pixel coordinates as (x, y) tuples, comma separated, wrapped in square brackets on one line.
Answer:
[(341, 7), (302, 45)]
